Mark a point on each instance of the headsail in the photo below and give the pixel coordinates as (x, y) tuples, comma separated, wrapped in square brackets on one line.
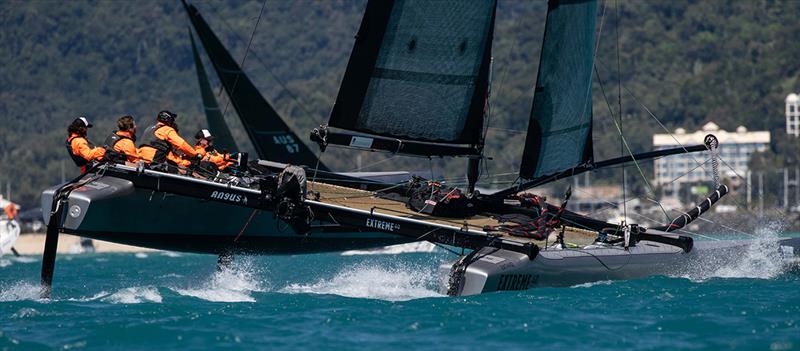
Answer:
[(272, 138), (417, 75), (216, 122), (560, 128)]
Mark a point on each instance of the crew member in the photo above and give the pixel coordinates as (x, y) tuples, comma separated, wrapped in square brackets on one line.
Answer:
[(162, 143), (205, 146), (82, 152), (122, 141)]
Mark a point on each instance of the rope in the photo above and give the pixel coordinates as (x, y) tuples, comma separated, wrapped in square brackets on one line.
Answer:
[(625, 143), (374, 163), (264, 65), (241, 65), (246, 224), (619, 103)]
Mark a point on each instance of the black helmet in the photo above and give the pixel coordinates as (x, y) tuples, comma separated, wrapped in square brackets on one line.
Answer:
[(166, 117)]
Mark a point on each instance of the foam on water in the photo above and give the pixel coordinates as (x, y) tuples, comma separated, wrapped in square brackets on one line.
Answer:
[(24, 259), (422, 246), (94, 297), (25, 312), (591, 284), (760, 260), (233, 284), (9, 260), (374, 282), (19, 291), (136, 294)]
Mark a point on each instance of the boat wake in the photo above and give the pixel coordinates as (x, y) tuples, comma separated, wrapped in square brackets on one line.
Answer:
[(5, 262), (19, 291), (591, 284), (233, 284), (761, 260), (422, 246), (374, 282), (136, 294)]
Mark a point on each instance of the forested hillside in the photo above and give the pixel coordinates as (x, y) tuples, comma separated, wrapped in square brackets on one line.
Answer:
[(687, 61)]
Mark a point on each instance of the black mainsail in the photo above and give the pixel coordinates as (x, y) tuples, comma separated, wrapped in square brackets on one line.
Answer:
[(417, 80), (272, 138), (560, 128), (216, 122)]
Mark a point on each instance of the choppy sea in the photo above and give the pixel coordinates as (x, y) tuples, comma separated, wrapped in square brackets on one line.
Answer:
[(167, 300)]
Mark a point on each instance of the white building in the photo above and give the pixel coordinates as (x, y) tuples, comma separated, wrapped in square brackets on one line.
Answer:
[(793, 114), (735, 150)]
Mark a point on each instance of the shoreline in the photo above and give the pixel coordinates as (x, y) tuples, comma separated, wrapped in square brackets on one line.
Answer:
[(33, 244)]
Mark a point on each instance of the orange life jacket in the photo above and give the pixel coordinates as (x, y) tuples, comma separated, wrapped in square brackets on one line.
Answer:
[(11, 211)]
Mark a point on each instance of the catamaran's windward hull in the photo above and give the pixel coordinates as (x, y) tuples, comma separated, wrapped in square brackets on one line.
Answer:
[(496, 270), (113, 209)]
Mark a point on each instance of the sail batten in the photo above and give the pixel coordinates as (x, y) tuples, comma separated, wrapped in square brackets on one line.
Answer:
[(419, 72), (271, 136), (560, 128)]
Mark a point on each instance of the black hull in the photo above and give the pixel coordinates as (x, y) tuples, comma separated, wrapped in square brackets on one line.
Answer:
[(259, 245), (115, 209)]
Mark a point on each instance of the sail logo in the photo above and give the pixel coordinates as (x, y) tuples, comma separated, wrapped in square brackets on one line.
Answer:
[(288, 141), (221, 195), (382, 225)]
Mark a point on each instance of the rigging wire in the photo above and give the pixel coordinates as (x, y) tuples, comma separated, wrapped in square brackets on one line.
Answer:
[(264, 65), (619, 103), (373, 164), (699, 164), (244, 58), (695, 159), (654, 220), (502, 81), (624, 142)]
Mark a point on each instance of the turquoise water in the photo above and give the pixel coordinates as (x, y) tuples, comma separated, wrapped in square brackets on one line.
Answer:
[(328, 301)]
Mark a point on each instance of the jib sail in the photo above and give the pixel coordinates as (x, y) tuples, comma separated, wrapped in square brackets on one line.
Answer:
[(271, 137), (417, 78), (560, 128), (216, 123)]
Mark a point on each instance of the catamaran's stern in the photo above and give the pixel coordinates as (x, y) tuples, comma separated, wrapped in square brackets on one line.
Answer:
[(487, 270)]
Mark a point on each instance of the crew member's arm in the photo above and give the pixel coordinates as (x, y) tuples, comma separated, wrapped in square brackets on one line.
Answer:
[(180, 161), (180, 144), (81, 148), (127, 147), (222, 161)]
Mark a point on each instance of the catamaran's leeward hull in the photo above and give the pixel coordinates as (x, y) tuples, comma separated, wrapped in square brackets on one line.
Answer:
[(112, 209), (496, 270)]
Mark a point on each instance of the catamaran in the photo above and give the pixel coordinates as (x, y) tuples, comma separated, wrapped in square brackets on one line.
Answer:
[(417, 84)]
